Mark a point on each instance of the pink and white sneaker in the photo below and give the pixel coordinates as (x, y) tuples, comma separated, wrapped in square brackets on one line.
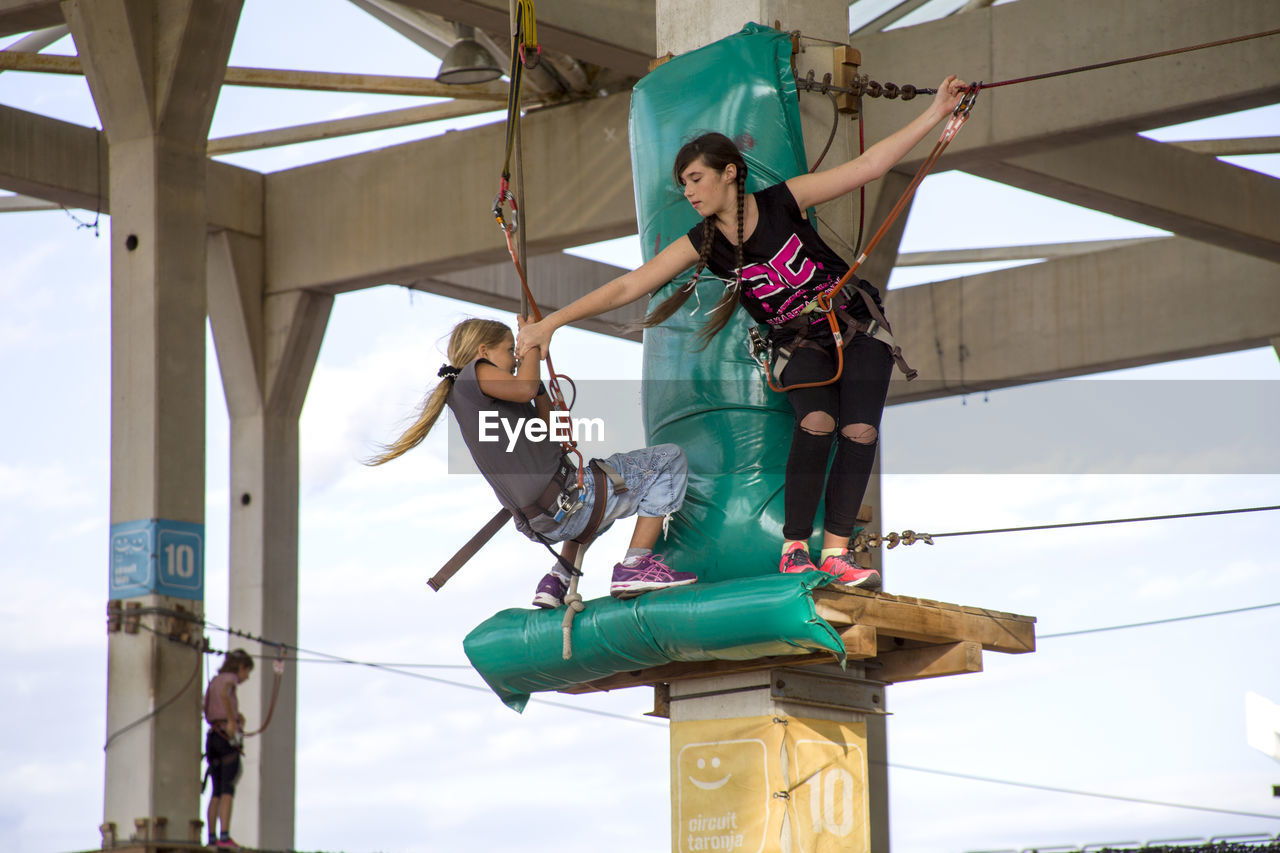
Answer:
[(648, 573), (848, 572)]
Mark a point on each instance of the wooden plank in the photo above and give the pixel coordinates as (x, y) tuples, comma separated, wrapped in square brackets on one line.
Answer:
[(928, 662), (927, 621), (860, 641)]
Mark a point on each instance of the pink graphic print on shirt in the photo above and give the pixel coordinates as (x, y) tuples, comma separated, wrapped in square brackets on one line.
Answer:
[(777, 274)]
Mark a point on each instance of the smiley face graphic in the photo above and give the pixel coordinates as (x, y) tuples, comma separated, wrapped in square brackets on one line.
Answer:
[(722, 795), (702, 764)]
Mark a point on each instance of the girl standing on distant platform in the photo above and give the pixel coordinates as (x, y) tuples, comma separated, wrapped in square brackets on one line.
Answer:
[(224, 744), (774, 263)]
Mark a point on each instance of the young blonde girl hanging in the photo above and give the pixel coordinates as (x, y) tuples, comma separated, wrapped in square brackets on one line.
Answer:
[(483, 383)]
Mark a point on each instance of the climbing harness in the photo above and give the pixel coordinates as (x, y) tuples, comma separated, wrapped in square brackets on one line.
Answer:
[(773, 363)]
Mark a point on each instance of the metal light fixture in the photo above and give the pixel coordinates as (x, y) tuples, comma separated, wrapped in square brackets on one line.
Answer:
[(468, 61)]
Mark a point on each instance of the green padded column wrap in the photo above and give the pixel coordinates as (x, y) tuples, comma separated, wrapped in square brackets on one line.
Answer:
[(714, 403)]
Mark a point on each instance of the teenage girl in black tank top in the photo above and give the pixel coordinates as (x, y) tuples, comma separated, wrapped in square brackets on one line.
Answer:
[(774, 263)]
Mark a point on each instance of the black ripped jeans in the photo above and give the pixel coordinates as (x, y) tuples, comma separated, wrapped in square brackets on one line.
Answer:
[(857, 398)]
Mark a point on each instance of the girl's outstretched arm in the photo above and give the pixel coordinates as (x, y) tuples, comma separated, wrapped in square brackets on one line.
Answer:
[(623, 290), (813, 189)]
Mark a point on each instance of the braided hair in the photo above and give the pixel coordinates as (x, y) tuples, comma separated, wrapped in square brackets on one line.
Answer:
[(717, 151)]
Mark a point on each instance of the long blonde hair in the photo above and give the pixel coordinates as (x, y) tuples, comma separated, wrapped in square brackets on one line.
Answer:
[(464, 345)]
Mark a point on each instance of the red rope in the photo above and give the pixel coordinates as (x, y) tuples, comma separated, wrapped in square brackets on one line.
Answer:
[(553, 385)]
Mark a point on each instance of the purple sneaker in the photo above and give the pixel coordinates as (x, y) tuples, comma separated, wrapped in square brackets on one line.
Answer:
[(649, 573), (551, 592)]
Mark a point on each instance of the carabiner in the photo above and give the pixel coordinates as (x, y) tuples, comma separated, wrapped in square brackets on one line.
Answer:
[(758, 349), (966, 103), (504, 195)]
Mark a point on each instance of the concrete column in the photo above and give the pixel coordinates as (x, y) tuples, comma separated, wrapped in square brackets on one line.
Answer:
[(154, 69), (267, 348), (684, 25), (878, 724)]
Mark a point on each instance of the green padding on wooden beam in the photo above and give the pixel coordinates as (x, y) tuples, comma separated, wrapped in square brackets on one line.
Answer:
[(518, 652)]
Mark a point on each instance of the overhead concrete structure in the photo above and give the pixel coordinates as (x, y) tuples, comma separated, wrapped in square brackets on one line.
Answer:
[(263, 255)]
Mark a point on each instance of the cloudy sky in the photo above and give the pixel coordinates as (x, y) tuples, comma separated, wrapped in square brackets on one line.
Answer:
[(423, 758)]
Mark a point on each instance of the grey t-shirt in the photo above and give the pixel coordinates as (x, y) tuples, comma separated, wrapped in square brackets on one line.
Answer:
[(519, 475)]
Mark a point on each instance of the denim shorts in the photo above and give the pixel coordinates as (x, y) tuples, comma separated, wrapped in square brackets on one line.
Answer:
[(655, 477)]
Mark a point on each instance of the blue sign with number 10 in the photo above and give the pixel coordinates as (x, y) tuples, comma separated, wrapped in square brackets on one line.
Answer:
[(157, 555)]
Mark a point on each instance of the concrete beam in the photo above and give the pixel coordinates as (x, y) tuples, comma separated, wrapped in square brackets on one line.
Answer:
[(1231, 147), (1035, 36), (617, 34), (422, 209), (1015, 253), (889, 16), (347, 126), (1157, 184), (67, 164), (54, 160), (556, 280), (1144, 304), (38, 40), (350, 242), (23, 203), (20, 16)]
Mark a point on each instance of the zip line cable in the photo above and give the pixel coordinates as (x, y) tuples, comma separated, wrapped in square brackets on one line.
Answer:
[(398, 670), (1058, 790), (396, 667), (909, 537), (1169, 517), (387, 668), (870, 87), (1156, 622), (1158, 54)]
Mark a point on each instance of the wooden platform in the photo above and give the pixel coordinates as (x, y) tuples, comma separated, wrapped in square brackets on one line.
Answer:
[(897, 637)]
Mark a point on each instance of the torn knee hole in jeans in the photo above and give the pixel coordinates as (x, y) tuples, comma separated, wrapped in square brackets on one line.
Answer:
[(860, 433), (818, 423)]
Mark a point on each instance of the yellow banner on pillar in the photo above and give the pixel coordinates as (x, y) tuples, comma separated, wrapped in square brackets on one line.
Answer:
[(769, 785)]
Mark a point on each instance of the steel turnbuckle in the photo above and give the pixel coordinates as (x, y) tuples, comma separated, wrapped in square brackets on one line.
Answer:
[(865, 541)]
